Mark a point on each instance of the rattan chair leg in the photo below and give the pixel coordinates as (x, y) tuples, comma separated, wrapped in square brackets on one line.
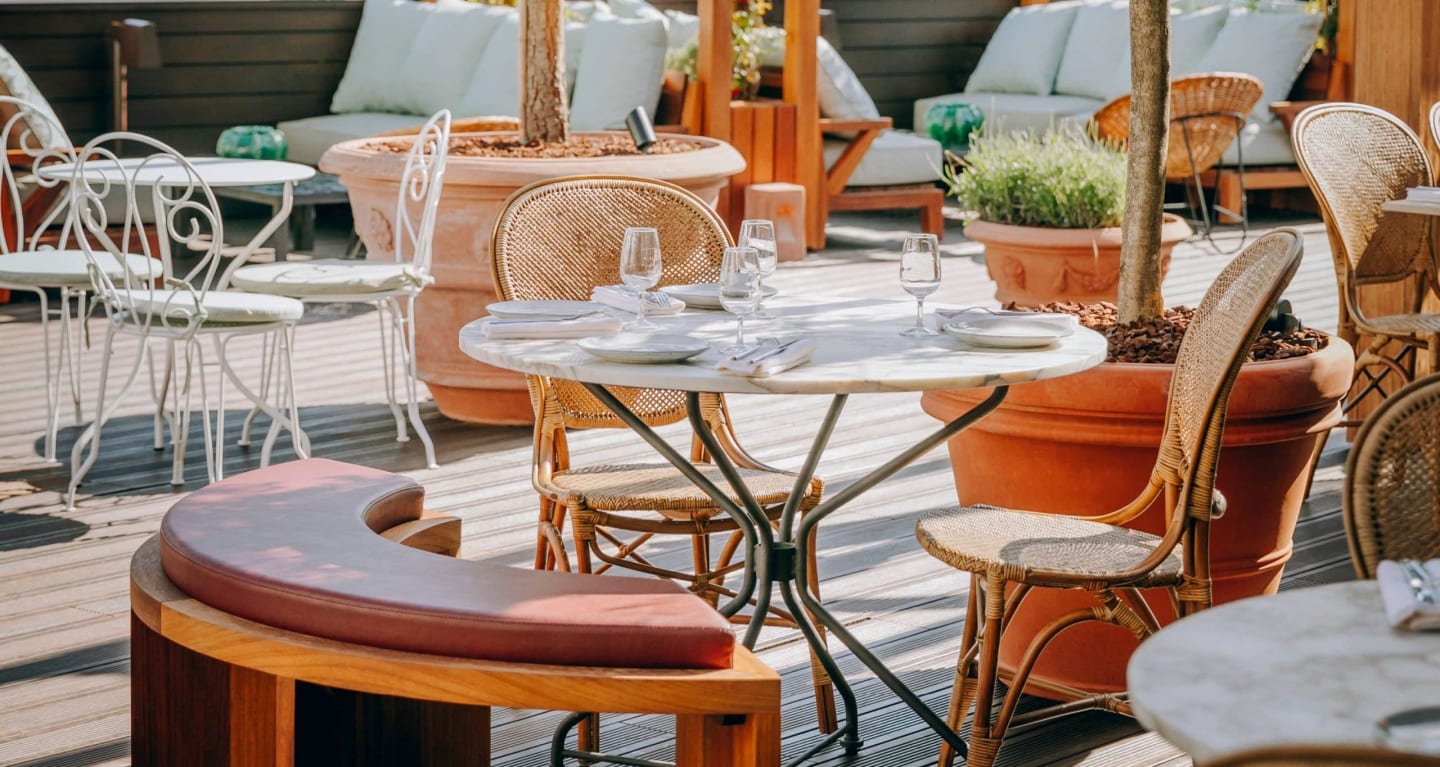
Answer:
[(962, 694), (587, 735), (1027, 664), (989, 651)]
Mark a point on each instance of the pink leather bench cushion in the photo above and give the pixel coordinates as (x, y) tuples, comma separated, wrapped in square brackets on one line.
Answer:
[(294, 546)]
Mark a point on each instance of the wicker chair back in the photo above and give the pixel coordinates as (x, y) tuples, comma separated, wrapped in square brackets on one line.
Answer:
[(1207, 112)]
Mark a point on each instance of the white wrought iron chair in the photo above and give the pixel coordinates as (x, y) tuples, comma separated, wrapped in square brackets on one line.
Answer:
[(385, 285), (29, 261), (182, 311)]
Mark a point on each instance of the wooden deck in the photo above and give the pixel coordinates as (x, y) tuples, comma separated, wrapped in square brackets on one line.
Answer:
[(64, 689)]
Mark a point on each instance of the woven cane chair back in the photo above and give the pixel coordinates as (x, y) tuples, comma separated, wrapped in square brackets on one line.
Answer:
[(420, 187), (1356, 158), (558, 239), (1216, 343), (1207, 110), (26, 128), (1327, 756), (1392, 480)]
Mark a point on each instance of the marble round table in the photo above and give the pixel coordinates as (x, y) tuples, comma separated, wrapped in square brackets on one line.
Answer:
[(859, 350), (1314, 666)]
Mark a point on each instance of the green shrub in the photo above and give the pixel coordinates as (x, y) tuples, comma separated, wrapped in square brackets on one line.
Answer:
[(1062, 180)]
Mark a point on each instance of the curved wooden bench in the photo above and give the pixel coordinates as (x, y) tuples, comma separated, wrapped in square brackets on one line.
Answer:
[(274, 624)]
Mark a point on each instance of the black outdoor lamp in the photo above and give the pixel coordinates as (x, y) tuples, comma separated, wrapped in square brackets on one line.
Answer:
[(133, 43), (642, 131)]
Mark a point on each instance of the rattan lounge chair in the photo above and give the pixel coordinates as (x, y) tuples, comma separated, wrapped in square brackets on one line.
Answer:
[(557, 240), (1207, 112), (1390, 502), (1326, 756), (1008, 552), (1355, 158)]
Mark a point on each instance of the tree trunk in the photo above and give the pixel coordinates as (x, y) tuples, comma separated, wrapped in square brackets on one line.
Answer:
[(1140, 297), (544, 116)]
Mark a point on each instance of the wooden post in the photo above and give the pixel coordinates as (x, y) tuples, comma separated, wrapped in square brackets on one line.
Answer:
[(712, 66), (802, 27), (544, 117), (725, 740)]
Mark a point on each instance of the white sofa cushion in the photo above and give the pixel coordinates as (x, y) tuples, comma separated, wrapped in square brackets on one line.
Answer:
[(1266, 142), (895, 157), (1014, 111), (622, 66), (1272, 47), (1099, 39), (308, 138), (681, 28), (1191, 36), (374, 79), (635, 9), (1024, 54), (445, 52), (839, 91), (494, 88)]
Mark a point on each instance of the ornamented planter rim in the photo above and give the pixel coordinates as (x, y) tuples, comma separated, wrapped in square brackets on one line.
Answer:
[(1175, 229)]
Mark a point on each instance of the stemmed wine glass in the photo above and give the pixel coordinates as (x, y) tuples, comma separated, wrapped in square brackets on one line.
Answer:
[(640, 269), (739, 289), (920, 276), (760, 235)]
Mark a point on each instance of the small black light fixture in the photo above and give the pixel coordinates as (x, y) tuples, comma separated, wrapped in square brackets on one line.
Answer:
[(642, 131)]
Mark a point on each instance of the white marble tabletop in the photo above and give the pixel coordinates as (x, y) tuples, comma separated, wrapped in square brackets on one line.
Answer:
[(1315, 665), (1420, 207), (859, 350), (216, 171)]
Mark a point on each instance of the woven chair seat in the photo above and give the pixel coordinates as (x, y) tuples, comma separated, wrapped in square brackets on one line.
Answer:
[(661, 487), (1027, 546), (1404, 324)]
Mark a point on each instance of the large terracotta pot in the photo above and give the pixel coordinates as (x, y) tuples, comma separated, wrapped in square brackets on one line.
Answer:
[(1085, 444), (1034, 265), (475, 189)]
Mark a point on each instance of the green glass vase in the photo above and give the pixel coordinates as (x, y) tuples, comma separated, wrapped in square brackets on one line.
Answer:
[(251, 142), (952, 125)]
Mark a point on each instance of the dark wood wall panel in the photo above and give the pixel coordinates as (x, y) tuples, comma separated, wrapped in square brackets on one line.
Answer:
[(226, 62)]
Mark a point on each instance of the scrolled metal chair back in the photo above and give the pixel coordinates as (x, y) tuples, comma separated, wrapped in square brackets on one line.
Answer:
[(26, 128), (420, 187)]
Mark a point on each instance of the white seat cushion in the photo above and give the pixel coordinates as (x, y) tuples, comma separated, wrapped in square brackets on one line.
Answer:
[(223, 307), (1266, 142), (328, 278), (893, 158), (69, 269), (1092, 52), (310, 137), (1024, 53), (1271, 47), (622, 66), (374, 79), (1015, 111)]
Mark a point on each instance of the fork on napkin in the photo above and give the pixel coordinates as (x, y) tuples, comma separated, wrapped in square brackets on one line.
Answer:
[(573, 327), (1060, 322), (1411, 593), (793, 353), (620, 297)]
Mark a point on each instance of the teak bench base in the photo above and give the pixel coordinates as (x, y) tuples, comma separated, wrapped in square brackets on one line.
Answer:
[(213, 689)]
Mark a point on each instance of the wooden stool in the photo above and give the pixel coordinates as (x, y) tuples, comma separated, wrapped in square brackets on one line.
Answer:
[(783, 204)]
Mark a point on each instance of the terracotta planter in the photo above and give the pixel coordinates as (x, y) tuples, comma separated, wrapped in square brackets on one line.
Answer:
[(475, 189), (1034, 265), (1085, 444)]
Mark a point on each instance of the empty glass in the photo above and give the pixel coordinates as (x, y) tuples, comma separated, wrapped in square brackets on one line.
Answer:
[(920, 276), (640, 269), (760, 235), (739, 289)]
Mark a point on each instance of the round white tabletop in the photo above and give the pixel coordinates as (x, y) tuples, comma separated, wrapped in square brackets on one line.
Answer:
[(859, 350), (1315, 666), (216, 171)]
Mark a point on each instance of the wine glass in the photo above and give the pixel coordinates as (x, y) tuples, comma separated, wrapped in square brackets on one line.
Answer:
[(640, 269), (920, 276), (760, 235), (739, 289)]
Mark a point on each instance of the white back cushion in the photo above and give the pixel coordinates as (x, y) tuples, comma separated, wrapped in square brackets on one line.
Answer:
[(1272, 47), (681, 28), (495, 87), (374, 79), (1191, 36), (1025, 52), (622, 66), (1099, 39), (445, 52), (635, 9), (839, 91), (15, 82)]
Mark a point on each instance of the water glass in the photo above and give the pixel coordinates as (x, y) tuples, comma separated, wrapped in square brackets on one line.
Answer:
[(920, 275), (760, 235), (739, 289), (640, 269)]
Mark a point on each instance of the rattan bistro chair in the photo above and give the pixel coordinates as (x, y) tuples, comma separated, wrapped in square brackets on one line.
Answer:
[(1391, 499), (557, 240), (1207, 112), (1357, 157), (1001, 547), (1326, 756)]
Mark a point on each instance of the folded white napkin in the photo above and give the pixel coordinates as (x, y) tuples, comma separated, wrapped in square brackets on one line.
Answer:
[(1402, 607), (620, 297), (794, 355), (1060, 322), (579, 327)]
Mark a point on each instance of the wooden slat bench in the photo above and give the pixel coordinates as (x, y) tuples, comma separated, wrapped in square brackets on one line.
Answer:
[(273, 623)]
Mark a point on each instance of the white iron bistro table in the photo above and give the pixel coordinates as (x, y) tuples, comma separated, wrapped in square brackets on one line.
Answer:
[(859, 351)]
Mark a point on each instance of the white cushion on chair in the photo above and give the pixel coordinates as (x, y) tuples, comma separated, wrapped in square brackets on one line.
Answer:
[(1271, 47), (227, 307), (622, 66), (1024, 53), (1092, 52), (328, 278), (893, 158), (1266, 143), (839, 91), (310, 137), (445, 52), (68, 268), (374, 79), (1014, 111)]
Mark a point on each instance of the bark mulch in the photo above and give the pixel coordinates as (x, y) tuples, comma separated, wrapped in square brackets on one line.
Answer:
[(1159, 340)]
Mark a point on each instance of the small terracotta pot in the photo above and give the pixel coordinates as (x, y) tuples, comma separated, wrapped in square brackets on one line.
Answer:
[(475, 189), (1085, 444), (1034, 265)]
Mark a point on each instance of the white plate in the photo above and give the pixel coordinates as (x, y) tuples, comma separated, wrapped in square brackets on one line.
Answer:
[(1006, 332), (703, 295), (541, 310), (643, 347)]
